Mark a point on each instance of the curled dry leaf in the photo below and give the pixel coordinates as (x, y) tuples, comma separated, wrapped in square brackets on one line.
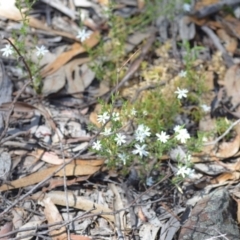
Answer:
[(228, 149), (70, 170), (233, 176), (52, 215), (59, 198)]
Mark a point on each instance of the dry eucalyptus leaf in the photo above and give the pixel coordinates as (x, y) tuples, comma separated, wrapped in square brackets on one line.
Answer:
[(228, 149), (70, 170), (52, 215), (59, 198), (54, 82), (227, 176), (75, 49), (78, 77)]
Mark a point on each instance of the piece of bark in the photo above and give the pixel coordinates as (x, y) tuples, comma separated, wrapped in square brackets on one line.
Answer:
[(214, 215)]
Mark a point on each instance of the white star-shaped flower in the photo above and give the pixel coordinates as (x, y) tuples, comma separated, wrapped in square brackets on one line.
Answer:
[(7, 50), (182, 135), (120, 139), (83, 35), (103, 118), (123, 157), (162, 137), (145, 113), (142, 132), (97, 145), (140, 150), (205, 108), (182, 93), (41, 51), (133, 112), (177, 128), (182, 73), (107, 132), (115, 116), (185, 171)]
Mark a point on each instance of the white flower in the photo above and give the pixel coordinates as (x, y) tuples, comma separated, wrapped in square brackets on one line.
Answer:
[(177, 128), (83, 35), (123, 157), (103, 118), (185, 171), (205, 108), (142, 132), (145, 113), (133, 112), (97, 145), (120, 139), (186, 7), (41, 51), (107, 132), (182, 93), (140, 150), (115, 116), (162, 137), (182, 74), (182, 135), (7, 51)]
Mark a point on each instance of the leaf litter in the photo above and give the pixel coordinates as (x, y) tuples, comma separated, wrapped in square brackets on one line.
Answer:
[(51, 184)]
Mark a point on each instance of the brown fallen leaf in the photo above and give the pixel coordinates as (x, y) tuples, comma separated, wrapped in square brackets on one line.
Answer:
[(59, 198), (231, 25), (60, 182), (75, 49), (51, 157), (71, 170), (226, 177), (228, 149), (18, 106), (52, 215)]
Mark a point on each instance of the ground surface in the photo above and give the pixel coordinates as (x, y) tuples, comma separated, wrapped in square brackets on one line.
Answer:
[(78, 69)]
